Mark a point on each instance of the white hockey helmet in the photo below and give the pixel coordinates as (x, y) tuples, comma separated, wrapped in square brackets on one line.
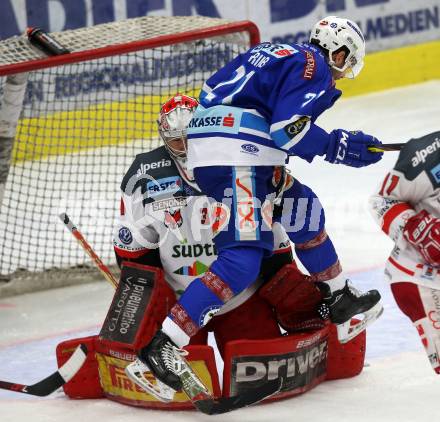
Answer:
[(173, 120), (333, 33)]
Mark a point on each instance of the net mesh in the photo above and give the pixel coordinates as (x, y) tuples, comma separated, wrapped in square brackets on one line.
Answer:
[(80, 128), (17, 49)]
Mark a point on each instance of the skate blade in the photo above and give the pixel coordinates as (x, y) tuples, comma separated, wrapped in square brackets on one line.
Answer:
[(192, 385), (347, 332), (135, 371)]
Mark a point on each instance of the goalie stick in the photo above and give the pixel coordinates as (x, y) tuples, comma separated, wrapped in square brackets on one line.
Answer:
[(88, 249), (54, 381), (213, 406), (192, 384)]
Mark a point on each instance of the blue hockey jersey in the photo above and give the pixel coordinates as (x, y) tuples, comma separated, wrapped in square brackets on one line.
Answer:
[(262, 106)]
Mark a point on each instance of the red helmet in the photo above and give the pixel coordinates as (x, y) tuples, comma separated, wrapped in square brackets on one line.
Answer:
[(173, 120)]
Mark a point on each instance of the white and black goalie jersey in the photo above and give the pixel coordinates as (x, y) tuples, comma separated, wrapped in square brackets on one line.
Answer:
[(411, 186), (161, 208)]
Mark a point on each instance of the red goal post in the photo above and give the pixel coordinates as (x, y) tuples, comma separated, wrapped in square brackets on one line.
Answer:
[(71, 125)]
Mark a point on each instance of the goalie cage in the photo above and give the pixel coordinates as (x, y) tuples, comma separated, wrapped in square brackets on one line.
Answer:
[(71, 125)]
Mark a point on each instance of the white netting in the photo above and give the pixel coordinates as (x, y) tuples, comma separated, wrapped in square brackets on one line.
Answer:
[(81, 125), (18, 49)]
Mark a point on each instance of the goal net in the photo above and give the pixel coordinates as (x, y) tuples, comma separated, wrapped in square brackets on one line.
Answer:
[(71, 125)]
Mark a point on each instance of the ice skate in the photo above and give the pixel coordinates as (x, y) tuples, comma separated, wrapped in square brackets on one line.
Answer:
[(163, 359), (348, 302)]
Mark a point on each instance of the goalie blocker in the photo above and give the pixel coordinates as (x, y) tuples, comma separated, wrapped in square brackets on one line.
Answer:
[(304, 358)]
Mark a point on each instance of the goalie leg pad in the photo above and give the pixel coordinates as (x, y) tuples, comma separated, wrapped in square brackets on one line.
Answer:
[(298, 360), (140, 374), (301, 360), (121, 387), (252, 320), (345, 360), (85, 384)]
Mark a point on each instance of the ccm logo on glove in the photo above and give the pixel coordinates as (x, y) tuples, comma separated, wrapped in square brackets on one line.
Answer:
[(342, 146), (351, 148)]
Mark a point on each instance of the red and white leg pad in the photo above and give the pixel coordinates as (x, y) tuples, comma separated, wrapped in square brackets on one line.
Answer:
[(422, 305), (86, 383), (302, 359)]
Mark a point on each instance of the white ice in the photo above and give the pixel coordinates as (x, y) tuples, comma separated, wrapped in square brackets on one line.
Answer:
[(397, 383)]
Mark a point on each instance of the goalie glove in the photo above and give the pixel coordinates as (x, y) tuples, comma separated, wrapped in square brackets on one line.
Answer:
[(423, 232), (351, 148), (295, 298)]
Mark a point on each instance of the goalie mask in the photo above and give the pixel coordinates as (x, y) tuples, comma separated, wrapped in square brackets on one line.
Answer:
[(173, 120), (333, 33)]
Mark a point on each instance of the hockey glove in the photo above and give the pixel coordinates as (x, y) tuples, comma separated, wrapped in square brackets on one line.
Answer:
[(423, 232), (295, 298), (351, 148)]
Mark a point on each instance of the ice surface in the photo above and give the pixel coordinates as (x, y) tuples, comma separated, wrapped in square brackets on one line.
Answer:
[(398, 383)]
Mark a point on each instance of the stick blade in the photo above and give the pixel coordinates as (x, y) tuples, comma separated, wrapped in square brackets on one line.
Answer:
[(228, 404), (54, 381)]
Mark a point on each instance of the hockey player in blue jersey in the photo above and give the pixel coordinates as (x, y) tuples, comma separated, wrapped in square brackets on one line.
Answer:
[(255, 112)]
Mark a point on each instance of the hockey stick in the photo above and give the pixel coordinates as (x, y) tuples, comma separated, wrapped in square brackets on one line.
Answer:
[(216, 406), (54, 381), (385, 147), (431, 137), (85, 245)]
